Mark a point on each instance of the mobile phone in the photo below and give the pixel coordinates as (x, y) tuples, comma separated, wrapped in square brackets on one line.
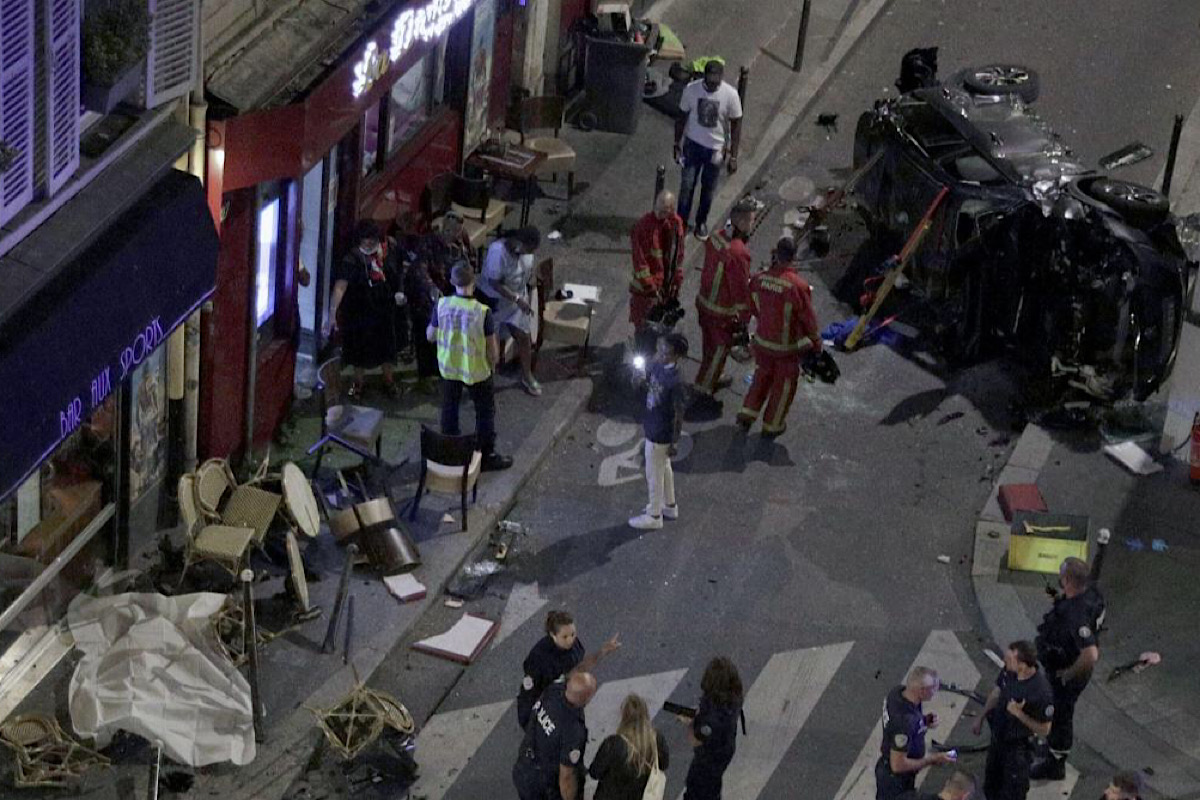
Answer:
[(675, 708), (952, 754)]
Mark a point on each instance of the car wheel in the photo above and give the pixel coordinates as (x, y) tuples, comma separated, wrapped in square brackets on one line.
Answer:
[(1003, 79), (1139, 204)]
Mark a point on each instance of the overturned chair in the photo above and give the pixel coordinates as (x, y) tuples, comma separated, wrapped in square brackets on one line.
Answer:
[(358, 429), (45, 756)]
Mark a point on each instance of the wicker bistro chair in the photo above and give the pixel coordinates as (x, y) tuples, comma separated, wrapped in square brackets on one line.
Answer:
[(224, 544), (44, 755), (449, 465), (544, 114), (221, 500)]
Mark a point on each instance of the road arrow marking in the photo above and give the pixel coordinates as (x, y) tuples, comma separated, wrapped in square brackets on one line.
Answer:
[(447, 743), (945, 653), (524, 601), (604, 712), (777, 706)]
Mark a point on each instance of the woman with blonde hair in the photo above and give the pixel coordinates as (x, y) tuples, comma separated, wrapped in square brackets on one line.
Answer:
[(625, 760)]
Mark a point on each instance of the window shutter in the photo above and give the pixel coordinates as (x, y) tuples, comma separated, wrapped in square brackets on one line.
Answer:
[(16, 104), (62, 92), (174, 37)]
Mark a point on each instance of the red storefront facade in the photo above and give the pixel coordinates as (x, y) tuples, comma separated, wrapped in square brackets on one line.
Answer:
[(289, 184)]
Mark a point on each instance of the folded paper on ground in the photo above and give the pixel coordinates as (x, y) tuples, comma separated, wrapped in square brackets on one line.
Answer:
[(462, 643), (405, 587)]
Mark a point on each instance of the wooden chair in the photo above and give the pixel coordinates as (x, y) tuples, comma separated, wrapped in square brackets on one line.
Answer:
[(546, 113), (222, 501), (224, 544), (449, 465), (358, 429), (561, 321), (482, 216), (435, 197)]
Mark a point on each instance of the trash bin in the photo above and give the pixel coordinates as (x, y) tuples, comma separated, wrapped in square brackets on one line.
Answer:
[(614, 76)]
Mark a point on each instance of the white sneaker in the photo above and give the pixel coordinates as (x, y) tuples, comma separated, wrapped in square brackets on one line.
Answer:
[(645, 522), (669, 512)]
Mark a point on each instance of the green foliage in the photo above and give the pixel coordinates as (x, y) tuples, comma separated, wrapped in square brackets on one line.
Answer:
[(116, 36)]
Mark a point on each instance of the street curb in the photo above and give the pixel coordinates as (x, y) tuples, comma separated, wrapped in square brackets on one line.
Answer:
[(1101, 725)]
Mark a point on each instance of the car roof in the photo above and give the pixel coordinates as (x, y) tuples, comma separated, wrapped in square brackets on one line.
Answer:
[(1019, 144)]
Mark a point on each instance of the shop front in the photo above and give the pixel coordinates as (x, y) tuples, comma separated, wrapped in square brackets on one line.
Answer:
[(295, 163), (83, 390)]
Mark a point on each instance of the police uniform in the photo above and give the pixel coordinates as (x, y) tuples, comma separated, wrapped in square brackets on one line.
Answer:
[(555, 737), (545, 664), (1006, 776), (904, 732), (715, 727), (1069, 626)]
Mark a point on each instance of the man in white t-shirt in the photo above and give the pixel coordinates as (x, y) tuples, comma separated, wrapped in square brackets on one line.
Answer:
[(708, 130)]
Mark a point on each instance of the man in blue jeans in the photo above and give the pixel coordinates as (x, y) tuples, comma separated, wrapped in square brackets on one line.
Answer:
[(707, 131)]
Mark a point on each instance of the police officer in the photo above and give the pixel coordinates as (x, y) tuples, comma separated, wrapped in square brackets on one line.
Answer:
[(961, 786), (902, 751), (1068, 649), (557, 653), (1019, 708), (713, 731), (549, 763)]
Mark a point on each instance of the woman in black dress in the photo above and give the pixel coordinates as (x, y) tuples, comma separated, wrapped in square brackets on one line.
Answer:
[(555, 654), (713, 733), (625, 760), (365, 296)]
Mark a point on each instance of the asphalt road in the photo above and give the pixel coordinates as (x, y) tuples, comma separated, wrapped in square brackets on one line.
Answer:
[(812, 560)]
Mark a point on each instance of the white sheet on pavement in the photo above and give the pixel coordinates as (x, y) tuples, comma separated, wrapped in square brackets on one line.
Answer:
[(149, 668)]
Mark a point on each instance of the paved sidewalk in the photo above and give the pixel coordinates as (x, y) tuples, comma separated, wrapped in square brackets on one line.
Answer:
[(1149, 720)]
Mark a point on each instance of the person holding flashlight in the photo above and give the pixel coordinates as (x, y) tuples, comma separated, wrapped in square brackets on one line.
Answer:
[(662, 423)]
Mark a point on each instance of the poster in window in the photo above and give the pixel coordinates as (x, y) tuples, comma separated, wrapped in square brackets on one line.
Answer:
[(148, 433), (483, 36)]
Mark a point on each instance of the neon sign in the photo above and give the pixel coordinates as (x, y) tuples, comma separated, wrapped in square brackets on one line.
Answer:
[(426, 24)]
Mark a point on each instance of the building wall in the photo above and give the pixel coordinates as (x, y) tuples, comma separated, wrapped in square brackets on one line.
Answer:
[(222, 20)]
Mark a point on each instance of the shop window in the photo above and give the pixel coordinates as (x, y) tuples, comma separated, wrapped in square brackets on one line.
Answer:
[(411, 101), (148, 431), (371, 152), (268, 261)]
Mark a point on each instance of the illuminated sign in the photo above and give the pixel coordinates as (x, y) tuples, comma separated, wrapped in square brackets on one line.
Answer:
[(426, 24)]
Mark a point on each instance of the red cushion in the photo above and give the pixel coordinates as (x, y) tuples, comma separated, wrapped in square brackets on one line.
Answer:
[(1016, 497)]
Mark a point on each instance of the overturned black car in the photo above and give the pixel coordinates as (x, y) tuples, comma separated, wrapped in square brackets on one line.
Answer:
[(1081, 275)]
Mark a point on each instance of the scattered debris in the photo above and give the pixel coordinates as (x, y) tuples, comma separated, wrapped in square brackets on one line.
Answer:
[(1131, 153), (554, 236), (1135, 545), (463, 642), (358, 720), (448, 518), (177, 782), (405, 587), (953, 415), (1158, 545), (828, 122), (1147, 659), (943, 559), (1133, 458), (45, 756), (453, 602)]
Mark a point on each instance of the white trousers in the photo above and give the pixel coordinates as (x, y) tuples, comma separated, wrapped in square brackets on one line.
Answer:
[(659, 477)]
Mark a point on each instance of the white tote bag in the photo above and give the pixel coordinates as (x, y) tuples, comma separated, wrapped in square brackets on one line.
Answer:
[(656, 784)]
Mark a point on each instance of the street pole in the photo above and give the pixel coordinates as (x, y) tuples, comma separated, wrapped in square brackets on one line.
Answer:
[(1169, 172), (805, 10), (660, 181), (743, 79), (343, 588), (155, 770)]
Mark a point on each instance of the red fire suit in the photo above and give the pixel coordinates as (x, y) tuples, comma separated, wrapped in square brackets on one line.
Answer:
[(722, 305), (785, 331), (654, 240)]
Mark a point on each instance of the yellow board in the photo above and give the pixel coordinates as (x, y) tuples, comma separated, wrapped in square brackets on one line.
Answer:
[(1040, 541)]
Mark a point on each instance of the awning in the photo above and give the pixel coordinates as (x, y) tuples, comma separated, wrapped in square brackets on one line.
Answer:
[(69, 346)]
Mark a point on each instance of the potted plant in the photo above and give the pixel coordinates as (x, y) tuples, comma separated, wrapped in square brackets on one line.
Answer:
[(116, 35)]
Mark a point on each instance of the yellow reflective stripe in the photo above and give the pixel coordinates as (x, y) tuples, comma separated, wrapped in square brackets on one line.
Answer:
[(787, 323), (781, 409), (654, 251), (708, 379), (713, 308), (716, 284), (780, 347), (642, 273)]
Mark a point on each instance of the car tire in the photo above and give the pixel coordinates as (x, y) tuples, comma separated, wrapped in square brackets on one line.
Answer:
[(1002, 80), (1140, 205)]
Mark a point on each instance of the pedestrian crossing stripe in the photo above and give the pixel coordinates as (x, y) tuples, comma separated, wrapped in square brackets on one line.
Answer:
[(778, 705)]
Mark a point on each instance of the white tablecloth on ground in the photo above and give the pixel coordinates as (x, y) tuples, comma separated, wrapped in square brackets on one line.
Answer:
[(149, 667)]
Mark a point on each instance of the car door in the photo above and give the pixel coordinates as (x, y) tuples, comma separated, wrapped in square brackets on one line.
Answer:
[(915, 185)]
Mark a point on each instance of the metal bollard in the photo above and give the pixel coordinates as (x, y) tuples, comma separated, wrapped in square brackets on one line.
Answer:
[(343, 588), (1169, 170), (250, 645), (660, 181), (805, 10), (743, 79), (155, 770), (1102, 539)]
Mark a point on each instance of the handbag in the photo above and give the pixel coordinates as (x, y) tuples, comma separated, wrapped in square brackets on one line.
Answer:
[(656, 784)]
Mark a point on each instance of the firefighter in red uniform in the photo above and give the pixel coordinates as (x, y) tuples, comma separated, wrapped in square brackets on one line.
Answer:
[(723, 302), (785, 331), (657, 256)]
